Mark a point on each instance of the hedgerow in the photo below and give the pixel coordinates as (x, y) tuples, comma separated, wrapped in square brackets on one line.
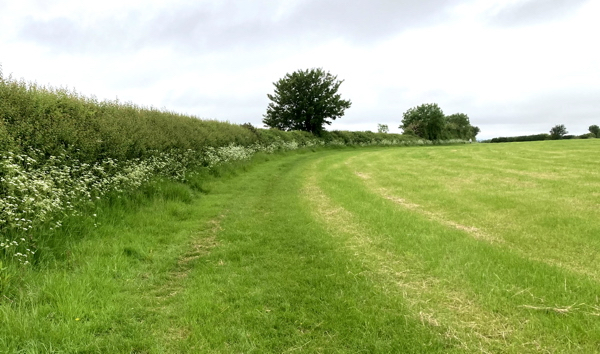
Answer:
[(61, 152)]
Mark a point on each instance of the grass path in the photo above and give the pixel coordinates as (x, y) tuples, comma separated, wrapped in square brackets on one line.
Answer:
[(279, 283), (480, 248)]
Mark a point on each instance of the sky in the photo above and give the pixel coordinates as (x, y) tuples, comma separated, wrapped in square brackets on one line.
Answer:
[(515, 67)]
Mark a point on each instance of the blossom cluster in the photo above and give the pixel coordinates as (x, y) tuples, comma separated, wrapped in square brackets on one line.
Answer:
[(38, 192)]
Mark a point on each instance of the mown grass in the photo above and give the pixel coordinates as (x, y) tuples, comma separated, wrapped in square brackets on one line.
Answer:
[(540, 198), (503, 236), (364, 250)]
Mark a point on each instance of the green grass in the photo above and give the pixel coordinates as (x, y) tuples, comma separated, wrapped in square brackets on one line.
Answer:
[(505, 237), (432, 249)]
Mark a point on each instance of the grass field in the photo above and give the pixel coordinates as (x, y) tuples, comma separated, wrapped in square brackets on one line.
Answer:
[(469, 248)]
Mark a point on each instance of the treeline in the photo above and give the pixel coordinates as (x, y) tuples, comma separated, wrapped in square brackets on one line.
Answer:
[(556, 133), (536, 137), (57, 121)]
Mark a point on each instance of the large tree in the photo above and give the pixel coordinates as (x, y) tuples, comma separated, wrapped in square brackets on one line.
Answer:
[(305, 100), (594, 129), (426, 121)]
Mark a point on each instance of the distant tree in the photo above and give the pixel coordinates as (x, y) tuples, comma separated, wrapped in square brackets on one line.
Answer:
[(383, 128), (558, 131), (458, 126), (250, 127), (426, 121), (594, 129), (305, 100)]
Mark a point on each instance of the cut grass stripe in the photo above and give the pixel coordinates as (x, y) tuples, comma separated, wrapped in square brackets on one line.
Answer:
[(502, 282)]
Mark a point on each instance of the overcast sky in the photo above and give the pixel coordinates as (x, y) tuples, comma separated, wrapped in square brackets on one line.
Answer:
[(514, 67)]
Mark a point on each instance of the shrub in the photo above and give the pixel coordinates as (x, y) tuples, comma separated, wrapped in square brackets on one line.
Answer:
[(587, 136)]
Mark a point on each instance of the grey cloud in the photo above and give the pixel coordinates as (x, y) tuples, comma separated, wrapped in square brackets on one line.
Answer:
[(67, 35), (366, 20), (535, 11), (203, 28), (62, 32)]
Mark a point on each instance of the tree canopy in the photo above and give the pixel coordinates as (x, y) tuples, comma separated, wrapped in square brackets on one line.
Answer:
[(428, 121), (305, 100), (594, 129), (458, 126), (383, 128), (558, 131)]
